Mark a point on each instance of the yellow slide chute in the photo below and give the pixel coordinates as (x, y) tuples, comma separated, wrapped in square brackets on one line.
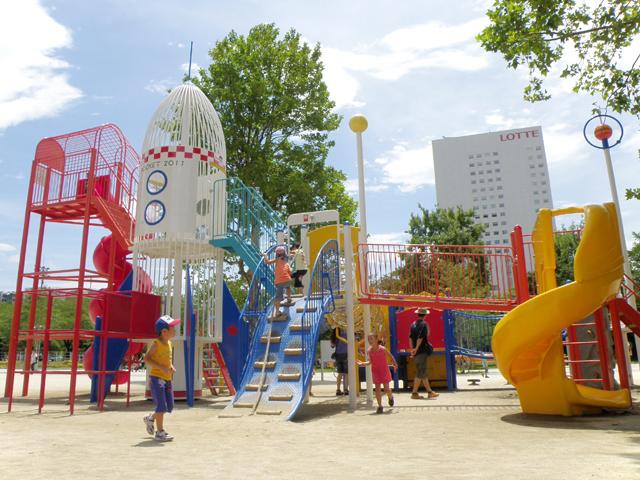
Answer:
[(527, 342)]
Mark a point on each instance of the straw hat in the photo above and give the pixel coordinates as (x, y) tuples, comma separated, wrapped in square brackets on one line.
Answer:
[(422, 311)]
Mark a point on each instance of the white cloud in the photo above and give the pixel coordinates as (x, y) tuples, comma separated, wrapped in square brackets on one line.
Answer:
[(195, 68), (160, 86), (5, 247), (391, 237), (431, 45), (407, 169), (370, 186), (564, 144), (34, 84)]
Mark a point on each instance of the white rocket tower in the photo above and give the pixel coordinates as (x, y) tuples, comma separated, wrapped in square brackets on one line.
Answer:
[(183, 159)]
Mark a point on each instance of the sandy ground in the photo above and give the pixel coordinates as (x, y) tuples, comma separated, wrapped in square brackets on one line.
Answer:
[(478, 432)]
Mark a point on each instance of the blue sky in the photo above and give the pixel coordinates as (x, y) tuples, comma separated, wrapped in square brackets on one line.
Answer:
[(412, 67)]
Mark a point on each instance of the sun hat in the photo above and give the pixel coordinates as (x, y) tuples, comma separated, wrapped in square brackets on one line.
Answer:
[(167, 322), (423, 311)]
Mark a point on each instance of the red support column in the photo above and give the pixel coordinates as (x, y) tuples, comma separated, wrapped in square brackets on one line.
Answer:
[(619, 346), (522, 284), (81, 275), (34, 289), (45, 352), (17, 307)]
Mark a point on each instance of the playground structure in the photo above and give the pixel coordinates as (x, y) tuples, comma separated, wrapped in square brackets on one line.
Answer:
[(165, 253)]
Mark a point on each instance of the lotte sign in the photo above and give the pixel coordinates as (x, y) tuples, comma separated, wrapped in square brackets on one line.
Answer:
[(507, 137)]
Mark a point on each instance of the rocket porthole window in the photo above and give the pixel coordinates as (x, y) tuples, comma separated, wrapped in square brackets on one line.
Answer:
[(203, 207), (154, 213), (156, 182)]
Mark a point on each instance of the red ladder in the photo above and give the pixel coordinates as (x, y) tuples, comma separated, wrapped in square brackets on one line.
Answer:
[(587, 346), (214, 370)]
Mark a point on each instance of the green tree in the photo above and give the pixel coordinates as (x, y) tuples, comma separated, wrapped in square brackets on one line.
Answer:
[(634, 257), (566, 245), (444, 227), (277, 116), (541, 34)]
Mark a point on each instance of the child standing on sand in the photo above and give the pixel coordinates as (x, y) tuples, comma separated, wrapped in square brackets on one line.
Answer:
[(160, 358), (282, 273), (377, 355)]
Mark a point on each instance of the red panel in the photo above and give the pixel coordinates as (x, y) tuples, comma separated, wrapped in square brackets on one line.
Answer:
[(140, 310), (50, 153), (404, 320), (145, 311)]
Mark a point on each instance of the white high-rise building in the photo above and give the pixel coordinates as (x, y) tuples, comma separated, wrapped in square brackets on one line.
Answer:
[(502, 176)]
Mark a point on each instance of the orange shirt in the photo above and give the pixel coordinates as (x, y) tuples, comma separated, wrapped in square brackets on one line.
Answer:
[(282, 271)]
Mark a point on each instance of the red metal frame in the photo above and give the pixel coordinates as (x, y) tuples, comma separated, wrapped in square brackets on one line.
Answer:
[(87, 178)]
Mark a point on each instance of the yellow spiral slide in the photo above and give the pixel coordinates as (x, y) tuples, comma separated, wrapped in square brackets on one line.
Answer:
[(527, 342)]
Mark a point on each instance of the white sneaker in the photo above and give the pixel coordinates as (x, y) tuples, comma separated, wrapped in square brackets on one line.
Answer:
[(148, 421), (162, 436)]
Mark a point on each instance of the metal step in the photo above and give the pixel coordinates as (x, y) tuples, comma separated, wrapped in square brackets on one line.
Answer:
[(297, 327), (293, 351), (243, 405), (269, 412), (269, 365), (289, 377), (280, 318), (265, 339), (309, 309), (281, 398), (254, 388)]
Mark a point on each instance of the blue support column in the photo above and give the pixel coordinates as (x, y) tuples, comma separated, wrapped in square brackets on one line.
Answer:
[(449, 342), (393, 339)]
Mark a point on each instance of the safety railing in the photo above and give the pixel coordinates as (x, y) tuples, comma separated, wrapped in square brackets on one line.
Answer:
[(630, 288), (260, 297), (249, 219), (323, 286), (473, 274)]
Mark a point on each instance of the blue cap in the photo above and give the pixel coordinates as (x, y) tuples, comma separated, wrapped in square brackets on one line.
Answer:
[(167, 322)]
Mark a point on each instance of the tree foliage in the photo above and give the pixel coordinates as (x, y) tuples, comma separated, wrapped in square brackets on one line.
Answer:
[(566, 246), (277, 116), (634, 257), (444, 227), (584, 39)]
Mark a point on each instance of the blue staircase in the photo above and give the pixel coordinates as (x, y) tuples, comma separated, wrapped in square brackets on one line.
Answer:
[(251, 225), (282, 354)]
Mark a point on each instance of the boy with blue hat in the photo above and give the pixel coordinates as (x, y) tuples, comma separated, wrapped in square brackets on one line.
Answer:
[(159, 357)]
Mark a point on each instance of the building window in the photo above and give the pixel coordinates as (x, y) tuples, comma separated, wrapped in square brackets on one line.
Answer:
[(503, 214), (491, 189), (494, 215), (495, 154), (478, 156), (495, 224), (503, 223), (544, 182), (535, 192), (497, 170), (481, 172), (531, 165), (538, 148), (471, 158), (541, 165), (489, 171), (505, 241), (474, 190), (499, 187), (489, 162), (482, 180), (484, 198), (501, 196), (498, 179), (495, 232), (485, 216), (502, 205), (540, 156), (473, 174), (483, 189), (490, 180), (473, 182)]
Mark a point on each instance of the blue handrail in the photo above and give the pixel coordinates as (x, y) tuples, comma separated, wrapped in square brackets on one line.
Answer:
[(324, 282)]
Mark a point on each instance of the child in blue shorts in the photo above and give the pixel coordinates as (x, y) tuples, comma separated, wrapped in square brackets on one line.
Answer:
[(159, 357)]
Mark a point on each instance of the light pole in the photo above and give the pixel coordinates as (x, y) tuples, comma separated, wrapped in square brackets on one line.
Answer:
[(359, 124), (603, 133)]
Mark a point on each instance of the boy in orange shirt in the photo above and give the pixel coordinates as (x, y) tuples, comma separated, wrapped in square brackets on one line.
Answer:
[(159, 357)]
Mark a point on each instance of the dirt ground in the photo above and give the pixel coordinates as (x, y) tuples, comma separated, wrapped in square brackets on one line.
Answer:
[(473, 433)]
